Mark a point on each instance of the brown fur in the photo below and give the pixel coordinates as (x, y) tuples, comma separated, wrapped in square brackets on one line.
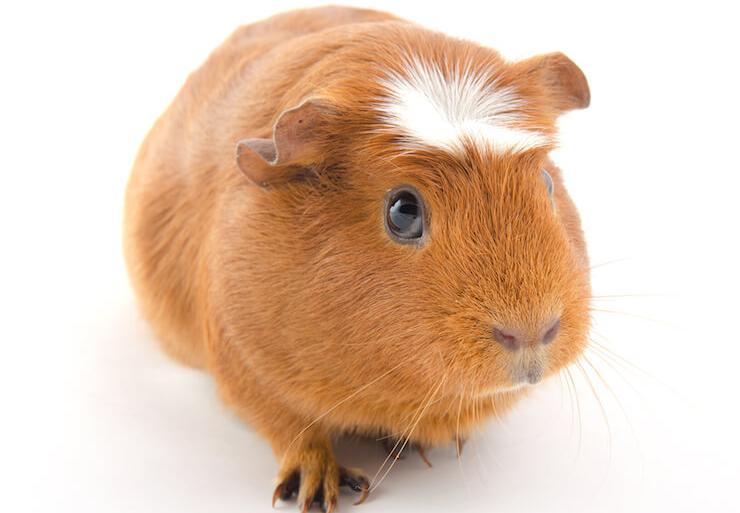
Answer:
[(311, 320)]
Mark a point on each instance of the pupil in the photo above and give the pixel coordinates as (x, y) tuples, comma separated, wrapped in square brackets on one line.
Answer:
[(404, 212), (408, 209)]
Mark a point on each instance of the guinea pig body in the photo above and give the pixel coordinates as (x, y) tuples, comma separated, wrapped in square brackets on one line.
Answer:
[(262, 245)]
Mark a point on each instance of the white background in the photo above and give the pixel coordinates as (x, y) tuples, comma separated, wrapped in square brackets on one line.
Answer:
[(95, 418)]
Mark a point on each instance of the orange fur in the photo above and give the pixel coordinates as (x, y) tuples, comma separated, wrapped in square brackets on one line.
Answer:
[(311, 320)]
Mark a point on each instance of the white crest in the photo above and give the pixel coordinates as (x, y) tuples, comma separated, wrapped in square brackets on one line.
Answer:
[(441, 111)]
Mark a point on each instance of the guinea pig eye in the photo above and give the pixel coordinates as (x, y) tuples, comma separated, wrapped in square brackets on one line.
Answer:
[(548, 182), (404, 218)]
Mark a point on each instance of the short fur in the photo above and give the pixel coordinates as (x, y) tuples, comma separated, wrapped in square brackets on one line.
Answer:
[(444, 107), (312, 321)]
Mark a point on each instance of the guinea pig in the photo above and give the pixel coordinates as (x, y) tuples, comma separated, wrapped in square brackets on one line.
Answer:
[(353, 224)]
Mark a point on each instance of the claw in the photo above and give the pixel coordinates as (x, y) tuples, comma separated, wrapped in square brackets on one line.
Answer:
[(459, 444), (329, 507), (281, 493), (352, 478), (423, 454), (356, 481), (286, 489), (363, 495), (275, 495)]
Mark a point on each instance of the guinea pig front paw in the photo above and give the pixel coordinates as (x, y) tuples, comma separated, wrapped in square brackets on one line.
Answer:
[(314, 476)]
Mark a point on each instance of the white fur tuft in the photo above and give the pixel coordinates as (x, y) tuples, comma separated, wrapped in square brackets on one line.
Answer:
[(440, 111)]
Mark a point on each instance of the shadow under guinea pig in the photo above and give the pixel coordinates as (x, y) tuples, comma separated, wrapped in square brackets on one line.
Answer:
[(446, 482)]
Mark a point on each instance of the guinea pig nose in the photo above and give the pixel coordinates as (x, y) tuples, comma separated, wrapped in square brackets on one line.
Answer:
[(506, 338)]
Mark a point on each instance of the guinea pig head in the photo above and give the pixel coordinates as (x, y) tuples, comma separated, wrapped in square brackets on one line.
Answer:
[(442, 245)]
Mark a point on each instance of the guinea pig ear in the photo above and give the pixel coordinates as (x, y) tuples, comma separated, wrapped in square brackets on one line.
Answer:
[(295, 142), (560, 75)]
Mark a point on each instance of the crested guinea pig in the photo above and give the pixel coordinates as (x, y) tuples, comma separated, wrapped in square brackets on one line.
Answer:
[(353, 224)]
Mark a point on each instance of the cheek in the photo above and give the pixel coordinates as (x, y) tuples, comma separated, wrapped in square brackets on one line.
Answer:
[(499, 369), (477, 367)]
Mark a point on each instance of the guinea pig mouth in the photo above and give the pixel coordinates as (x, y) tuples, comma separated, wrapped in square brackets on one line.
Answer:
[(508, 388), (528, 366)]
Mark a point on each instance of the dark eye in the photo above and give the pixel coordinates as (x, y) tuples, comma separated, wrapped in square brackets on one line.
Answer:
[(404, 215)]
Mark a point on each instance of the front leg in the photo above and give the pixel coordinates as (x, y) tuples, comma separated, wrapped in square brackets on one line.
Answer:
[(307, 466), (309, 470)]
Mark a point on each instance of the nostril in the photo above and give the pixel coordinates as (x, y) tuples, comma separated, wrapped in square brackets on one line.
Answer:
[(552, 332), (506, 339)]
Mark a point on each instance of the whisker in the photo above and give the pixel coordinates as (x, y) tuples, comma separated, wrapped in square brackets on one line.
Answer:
[(419, 411), (578, 410), (457, 428), (476, 447), (611, 357), (633, 432), (598, 400), (408, 437), (458, 448), (403, 432), (608, 262), (613, 394), (571, 401), (338, 404), (621, 360), (400, 435), (612, 365), (630, 314), (386, 437), (628, 365), (392, 453), (620, 296)]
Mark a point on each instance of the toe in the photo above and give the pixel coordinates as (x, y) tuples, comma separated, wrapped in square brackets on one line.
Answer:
[(356, 480), (329, 504), (330, 488), (310, 489), (287, 486)]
